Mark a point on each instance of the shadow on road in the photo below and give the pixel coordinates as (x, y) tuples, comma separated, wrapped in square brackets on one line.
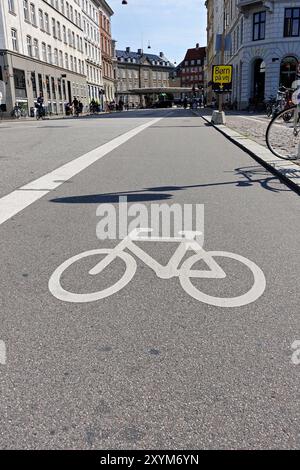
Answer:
[(112, 198), (250, 176)]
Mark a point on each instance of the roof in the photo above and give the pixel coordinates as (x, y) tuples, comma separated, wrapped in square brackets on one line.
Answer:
[(106, 7), (138, 57), (195, 53)]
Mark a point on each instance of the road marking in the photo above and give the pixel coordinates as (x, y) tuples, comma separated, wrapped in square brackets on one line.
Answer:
[(169, 271), (19, 199), (2, 352)]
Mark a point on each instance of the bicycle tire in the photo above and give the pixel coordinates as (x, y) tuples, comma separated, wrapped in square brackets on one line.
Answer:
[(280, 137), (252, 295), (60, 293)]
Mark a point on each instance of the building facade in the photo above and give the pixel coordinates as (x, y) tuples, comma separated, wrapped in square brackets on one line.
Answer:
[(265, 47), (192, 69), (41, 51), (107, 52), (92, 50), (215, 26), (138, 70)]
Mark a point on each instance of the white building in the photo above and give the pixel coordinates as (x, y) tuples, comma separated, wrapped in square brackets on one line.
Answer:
[(92, 50), (41, 51), (265, 47), (107, 49)]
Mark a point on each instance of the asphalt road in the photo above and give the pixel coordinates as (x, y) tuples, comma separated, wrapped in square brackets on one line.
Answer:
[(150, 366)]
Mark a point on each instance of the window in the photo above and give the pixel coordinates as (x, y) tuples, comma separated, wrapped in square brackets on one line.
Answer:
[(44, 53), (14, 39), (53, 27), (11, 6), (49, 53), (55, 56), (26, 10), (61, 60), (32, 14), (48, 87), (291, 22), (47, 23), (36, 48), (41, 19), (34, 85), (58, 30), (259, 26), (66, 61), (288, 71), (62, 6), (53, 88), (40, 80), (29, 45)]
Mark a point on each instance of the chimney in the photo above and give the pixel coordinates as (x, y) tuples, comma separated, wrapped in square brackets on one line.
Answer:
[(197, 45), (140, 51), (128, 49), (161, 54)]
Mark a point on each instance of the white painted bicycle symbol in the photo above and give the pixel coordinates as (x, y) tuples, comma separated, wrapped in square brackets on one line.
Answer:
[(188, 241)]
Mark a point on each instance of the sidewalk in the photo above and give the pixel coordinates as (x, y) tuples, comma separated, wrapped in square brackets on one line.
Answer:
[(250, 136)]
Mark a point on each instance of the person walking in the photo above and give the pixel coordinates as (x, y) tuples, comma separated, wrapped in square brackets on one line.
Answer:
[(40, 106), (75, 104)]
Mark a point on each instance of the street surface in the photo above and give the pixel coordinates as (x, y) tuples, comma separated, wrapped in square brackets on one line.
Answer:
[(149, 367)]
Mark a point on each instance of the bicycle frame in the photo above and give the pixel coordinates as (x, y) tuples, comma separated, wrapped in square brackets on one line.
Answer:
[(189, 241)]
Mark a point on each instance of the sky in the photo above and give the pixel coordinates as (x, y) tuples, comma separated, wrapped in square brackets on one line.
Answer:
[(171, 26)]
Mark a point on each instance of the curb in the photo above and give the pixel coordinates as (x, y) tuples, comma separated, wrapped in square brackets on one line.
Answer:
[(287, 172)]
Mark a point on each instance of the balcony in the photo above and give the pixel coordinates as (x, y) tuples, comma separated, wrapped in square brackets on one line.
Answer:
[(245, 4)]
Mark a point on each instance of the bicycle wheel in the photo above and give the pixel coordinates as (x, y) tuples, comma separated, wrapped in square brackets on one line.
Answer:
[(60, 293), (253, 294), (283, 134)]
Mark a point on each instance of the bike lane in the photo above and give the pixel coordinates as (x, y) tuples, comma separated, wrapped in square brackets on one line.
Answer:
[(151, 366), (31, 149)]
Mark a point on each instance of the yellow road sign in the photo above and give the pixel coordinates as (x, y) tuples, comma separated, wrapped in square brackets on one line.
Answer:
[(222, 74)]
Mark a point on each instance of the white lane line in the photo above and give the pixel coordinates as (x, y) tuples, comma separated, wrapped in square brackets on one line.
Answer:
[(19, 199)]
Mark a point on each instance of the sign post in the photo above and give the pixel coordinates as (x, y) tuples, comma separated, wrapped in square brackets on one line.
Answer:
[(222, 83)]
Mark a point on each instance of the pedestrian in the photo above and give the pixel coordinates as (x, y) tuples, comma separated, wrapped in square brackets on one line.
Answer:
[(121, 104), (40, 104), (75, 104)]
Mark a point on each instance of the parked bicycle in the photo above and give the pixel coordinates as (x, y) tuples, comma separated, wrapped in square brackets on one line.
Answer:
[(16, 112), (283, 132), (270, 103), (283, 101)]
